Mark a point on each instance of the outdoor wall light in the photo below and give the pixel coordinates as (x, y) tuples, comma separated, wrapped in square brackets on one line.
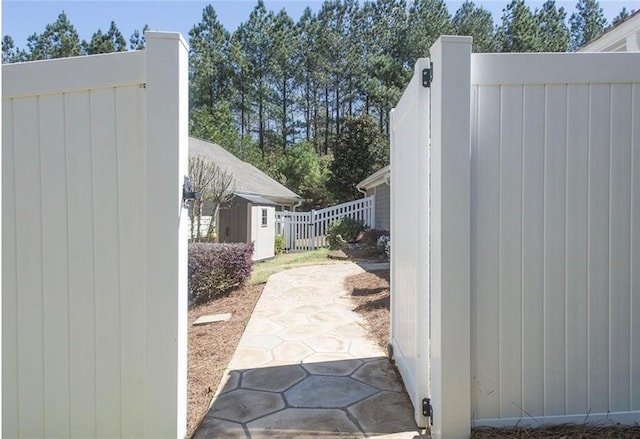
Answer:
[(188, 194)]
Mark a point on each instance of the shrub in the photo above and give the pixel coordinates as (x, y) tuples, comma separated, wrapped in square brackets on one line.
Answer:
[(384, 245), (278, 245), (370, 237), (347, 228), (214, 269)]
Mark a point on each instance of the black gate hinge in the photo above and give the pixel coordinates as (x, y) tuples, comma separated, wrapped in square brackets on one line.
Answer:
[(427, 76), (427, 410)]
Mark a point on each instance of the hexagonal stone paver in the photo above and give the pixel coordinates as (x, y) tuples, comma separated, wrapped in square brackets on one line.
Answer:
[(379, 374), (350, 330), (262, 326), (290, 319), (246, 357), (243, 405), (331, 364), (230, 381), (386, 412), (212, 427), (275, 379), (266, 341), (363, 348), (303, 423), (291, 351), (327, 343), (327, 392), (300, 332)]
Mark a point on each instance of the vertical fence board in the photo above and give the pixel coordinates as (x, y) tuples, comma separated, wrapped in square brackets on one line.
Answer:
[(532, 251), (598, 246), (105, 219), (487, 379), (81, 264), (55, 265), (10, 363), (576, 248), (31, 410), (620, 238), (510, 251), (554, 248), (634, 309), (130, 104)]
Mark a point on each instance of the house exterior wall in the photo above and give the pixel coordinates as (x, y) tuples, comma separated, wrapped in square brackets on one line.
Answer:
[(94, 249), (234, 222), (382, 193), (263, 235)]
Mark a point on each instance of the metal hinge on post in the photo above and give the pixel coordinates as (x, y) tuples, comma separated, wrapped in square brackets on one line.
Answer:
[(427, 410), (427, 76)]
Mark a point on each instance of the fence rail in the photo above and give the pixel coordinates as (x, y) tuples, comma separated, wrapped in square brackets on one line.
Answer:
[(305, 231)]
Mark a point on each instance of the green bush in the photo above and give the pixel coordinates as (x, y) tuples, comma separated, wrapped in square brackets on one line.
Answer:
[(278, 245), (348, 228), (215, 269)]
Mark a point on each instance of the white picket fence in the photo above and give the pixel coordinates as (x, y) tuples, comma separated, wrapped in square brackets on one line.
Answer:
[(305, 231)]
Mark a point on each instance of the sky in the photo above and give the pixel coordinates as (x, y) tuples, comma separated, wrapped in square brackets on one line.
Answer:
[(21, 18)]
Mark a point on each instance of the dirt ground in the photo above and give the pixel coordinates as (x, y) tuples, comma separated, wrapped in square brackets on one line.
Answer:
[(211, 347)]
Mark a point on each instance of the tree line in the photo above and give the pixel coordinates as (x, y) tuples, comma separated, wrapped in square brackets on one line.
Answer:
[(289, 96)]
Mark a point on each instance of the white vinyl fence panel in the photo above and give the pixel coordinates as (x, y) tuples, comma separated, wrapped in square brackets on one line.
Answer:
[(534, 251), (304, 231), (555, 243), (94, 249), (410, 238)]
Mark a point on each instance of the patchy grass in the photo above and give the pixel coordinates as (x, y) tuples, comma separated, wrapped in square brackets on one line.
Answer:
[(262, 270)]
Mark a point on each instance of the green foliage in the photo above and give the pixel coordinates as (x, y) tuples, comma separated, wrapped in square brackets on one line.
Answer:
[(10, 53), (109, 42), (278, 245), (346, 228), (476, 22), (622, 15), (305, 172), (137, 40), (586, 23), (518, 31), (360, 150), (428, 19), (553, 33), (59, 40)]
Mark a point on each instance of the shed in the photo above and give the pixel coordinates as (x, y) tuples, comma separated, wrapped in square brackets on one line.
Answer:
[(379, 185), (251, 215)]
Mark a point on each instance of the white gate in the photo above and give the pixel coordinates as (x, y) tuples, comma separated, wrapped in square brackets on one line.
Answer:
[(94, 150), (532, 252), (410, 238), (305, 231)]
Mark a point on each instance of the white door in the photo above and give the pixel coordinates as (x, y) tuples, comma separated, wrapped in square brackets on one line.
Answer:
[(410, 238)]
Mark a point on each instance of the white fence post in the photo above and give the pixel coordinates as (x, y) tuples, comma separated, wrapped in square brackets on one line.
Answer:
[(167, 149), (450, 236)]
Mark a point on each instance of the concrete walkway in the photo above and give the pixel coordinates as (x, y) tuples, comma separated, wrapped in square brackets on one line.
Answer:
[(305, 367)]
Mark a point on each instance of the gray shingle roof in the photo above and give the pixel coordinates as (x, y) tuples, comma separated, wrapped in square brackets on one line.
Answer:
[(248, 178)]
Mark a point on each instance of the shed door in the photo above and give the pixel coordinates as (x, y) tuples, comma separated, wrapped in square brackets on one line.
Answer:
[(410, 272)]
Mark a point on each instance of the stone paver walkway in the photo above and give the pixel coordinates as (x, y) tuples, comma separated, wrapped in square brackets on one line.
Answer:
[(305, 367)]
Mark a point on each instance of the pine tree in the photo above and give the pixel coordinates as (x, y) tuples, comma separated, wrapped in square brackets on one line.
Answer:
[(622, 15), (518, 30), (137, 40), (109, 42), (553, 33), (428, 19), (11, 53), (59, 40), (476, 22), (586, 23)]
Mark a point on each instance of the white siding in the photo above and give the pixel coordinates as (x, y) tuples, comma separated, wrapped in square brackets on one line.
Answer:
[(78, 201), (263, 237), (555, 252)]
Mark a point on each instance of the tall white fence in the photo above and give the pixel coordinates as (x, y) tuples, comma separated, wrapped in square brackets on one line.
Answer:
[(304, 231), (94, 150), (532, 280)]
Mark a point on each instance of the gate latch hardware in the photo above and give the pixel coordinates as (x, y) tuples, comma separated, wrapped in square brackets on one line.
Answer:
[(427, 410), (427, 76)]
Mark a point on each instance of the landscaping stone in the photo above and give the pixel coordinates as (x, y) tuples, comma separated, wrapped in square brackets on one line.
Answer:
[(203, 320)]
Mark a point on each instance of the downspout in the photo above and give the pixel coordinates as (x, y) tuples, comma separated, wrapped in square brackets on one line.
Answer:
[(361, 191), (298, 204)]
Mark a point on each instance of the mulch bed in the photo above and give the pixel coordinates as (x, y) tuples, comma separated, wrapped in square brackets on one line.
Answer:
[(357, 252), (370, 293), (211, 347)]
